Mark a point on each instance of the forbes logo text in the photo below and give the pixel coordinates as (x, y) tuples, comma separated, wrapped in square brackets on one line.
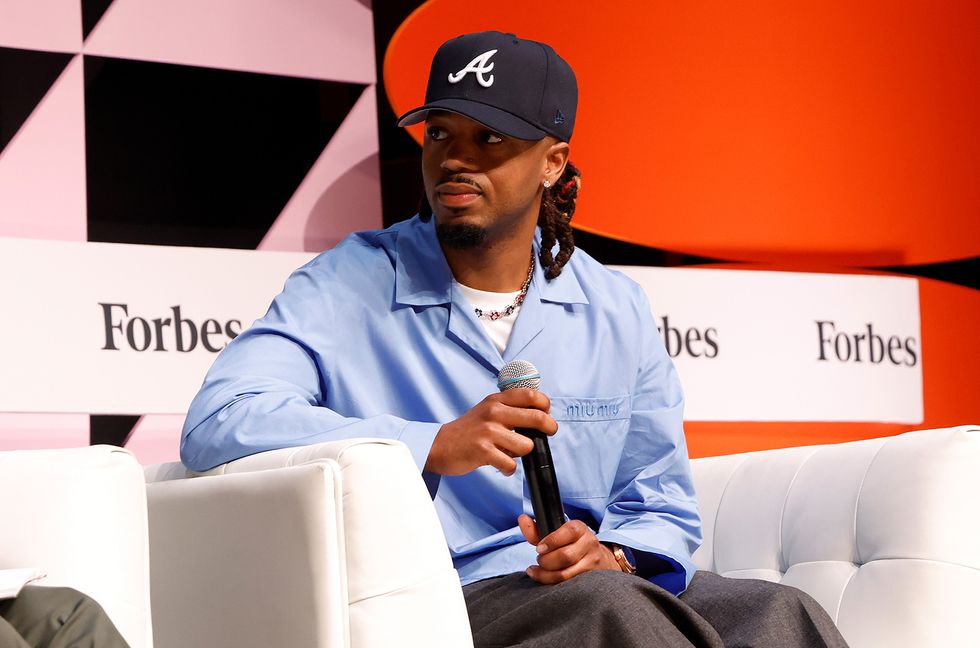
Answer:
[(866, 345), (172, 332)]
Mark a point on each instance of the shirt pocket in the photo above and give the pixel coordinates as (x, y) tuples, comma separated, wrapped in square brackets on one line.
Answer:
[(589, 443)]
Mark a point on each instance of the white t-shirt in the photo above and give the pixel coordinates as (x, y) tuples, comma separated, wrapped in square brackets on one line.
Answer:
[(499, 329)]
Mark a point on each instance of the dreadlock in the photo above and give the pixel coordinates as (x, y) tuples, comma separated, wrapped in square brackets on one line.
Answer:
[(554, 219)]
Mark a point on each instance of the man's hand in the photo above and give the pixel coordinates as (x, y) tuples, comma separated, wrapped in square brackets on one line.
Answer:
[(484, 436), (568, 551)]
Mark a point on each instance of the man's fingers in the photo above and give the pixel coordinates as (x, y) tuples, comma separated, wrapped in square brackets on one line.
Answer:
[(571, 550), (566, 534), (501, 461), (522, 417), (528, 528), (526, 398), (564, 557), (547, 577), (520, 408), (514, 444), (484, 435)]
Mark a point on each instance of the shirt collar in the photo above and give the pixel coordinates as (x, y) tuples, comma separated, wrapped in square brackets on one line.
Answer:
[(563, 289), (423, 277)]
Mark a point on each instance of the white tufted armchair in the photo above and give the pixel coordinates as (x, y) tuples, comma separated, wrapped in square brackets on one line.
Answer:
[(329, 545), (884, 533)]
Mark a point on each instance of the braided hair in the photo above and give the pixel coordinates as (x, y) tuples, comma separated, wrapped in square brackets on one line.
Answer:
[(554, 219)]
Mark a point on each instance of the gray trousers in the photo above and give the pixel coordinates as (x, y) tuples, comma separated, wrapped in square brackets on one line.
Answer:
[(611, 609), (55, 617)]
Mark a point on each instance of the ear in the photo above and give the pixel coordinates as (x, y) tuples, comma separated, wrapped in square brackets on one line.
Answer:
[(555, 159)]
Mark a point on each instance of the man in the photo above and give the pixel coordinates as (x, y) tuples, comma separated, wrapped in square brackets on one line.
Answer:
[(401, 333)]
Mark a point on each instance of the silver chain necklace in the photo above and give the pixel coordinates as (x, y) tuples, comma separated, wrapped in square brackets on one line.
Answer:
[(514, 305)]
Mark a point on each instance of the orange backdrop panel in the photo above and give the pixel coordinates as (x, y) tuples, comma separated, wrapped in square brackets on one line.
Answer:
[(757, 131)]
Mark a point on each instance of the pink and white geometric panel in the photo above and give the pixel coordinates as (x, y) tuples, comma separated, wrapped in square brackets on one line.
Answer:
[(321, 39), (340, 193), (47, 25), (36, 431), (42, 169), (205, 123)]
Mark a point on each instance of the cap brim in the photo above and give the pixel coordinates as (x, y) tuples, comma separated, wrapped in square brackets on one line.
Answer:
[(493, 118)]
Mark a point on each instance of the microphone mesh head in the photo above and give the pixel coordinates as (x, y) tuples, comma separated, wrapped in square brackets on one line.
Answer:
[(517, 374)]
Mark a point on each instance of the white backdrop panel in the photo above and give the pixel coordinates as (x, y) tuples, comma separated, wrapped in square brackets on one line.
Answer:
[(56, 299), (126, 329), (790, 346)]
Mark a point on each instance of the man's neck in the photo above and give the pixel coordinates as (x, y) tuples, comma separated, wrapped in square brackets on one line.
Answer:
[(499, 266)]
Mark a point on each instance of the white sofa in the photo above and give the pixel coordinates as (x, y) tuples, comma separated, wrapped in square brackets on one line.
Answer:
[(79, 515), (330, 545), (338, 544)]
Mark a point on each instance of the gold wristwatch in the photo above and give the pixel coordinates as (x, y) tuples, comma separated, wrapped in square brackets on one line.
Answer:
[(621, 558)]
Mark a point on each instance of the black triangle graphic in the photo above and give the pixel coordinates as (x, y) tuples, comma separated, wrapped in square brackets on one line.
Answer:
[(92, 12), (182, 155), (111, 429), (611, 251), (25, 77), (963, 272)]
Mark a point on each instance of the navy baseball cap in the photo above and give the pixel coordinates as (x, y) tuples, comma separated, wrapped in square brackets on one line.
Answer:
[(516, 87)]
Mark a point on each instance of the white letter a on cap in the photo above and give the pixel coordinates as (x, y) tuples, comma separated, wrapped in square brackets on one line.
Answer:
[(480, 65)]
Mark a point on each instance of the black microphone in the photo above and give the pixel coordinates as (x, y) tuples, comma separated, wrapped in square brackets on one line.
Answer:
[(538, 467)]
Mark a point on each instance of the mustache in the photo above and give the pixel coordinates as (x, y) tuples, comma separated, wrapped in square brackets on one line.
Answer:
[(463, 179)]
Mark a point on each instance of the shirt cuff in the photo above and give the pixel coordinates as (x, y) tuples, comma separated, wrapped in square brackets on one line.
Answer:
[(419, 437), (660, 570)]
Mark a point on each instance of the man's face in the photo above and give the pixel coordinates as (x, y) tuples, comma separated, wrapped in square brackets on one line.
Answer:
[(479, 183)]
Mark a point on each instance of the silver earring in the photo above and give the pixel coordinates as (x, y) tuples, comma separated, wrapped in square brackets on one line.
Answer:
[(547, 183)]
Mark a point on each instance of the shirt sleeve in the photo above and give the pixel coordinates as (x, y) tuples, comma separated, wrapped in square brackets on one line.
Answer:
[(652, 509), (266, 389)]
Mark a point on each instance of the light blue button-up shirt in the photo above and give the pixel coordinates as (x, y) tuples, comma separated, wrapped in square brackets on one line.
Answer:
[(375, 339)]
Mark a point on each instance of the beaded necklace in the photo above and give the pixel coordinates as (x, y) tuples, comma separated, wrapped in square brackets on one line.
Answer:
[(513, 306)]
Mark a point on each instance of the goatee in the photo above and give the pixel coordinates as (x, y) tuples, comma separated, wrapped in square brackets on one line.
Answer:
[(461, 236)]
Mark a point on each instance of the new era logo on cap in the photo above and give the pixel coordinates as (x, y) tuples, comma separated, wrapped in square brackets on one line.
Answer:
[(517, 87)]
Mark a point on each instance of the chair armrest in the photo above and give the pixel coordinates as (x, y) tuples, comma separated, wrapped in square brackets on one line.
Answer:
[(79, 515), (281, 458), (321, 545)]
